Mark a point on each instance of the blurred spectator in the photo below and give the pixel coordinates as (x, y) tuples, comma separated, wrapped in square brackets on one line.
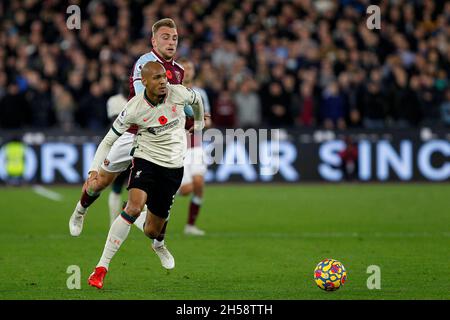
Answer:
[(248, 105), (445, 109), (429, 101), (306, 115), (404, 101), (64, 107), (14, 109), (374, 107), (93, 108), (14, 161), (3, 84), (332, 107), (117, 102), (276, 105), (224, 111), (280, 44), (42, 115)]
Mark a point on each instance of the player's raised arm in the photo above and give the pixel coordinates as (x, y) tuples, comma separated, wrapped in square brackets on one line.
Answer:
[(120, 125)]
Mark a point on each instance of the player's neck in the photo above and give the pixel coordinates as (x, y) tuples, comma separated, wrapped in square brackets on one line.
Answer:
[(159, 55), (154, 100)]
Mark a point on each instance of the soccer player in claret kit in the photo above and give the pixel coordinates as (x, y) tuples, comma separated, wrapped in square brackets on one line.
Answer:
[(164, 42), (158, 155)]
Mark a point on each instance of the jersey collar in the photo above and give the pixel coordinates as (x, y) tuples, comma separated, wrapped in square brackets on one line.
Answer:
[(147, 99), (161, 59)]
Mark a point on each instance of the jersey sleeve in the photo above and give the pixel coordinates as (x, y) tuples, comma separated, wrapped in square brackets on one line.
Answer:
[(124, 120), (190, 97), (186, 95), (137, 78), (138, 86)]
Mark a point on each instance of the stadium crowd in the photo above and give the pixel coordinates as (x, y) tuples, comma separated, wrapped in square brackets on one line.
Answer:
[(263, 63)]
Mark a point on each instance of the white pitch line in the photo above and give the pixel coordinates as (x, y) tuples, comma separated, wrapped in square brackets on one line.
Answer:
[(46, 193)]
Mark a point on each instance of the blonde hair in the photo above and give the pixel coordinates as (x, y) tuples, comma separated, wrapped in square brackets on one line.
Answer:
[(166, 22), (184, 61)]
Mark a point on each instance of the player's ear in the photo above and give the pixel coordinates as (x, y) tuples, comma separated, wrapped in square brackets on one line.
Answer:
[(144, 82), (153, 41)]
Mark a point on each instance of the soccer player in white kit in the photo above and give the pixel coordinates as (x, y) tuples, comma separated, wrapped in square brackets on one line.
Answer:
[(158, 156), (164, 42), (194, 165)]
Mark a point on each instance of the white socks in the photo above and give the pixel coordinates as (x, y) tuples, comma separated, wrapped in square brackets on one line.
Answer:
[(197, 200), (115, 205), (157, 244), (80, 208), (118, 233)]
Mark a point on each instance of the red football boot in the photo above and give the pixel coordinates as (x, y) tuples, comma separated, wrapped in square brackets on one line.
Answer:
[(96, 277)]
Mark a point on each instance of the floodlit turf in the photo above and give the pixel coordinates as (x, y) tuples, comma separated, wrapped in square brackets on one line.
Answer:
[(262, 242)]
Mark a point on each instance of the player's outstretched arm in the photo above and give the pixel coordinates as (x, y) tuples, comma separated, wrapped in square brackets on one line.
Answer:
[(120, 125), (103, 149)]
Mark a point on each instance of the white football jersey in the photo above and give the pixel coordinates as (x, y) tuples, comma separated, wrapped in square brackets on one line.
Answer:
[(161, 136)]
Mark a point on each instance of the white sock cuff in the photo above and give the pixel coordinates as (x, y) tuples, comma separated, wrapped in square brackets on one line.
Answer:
[(197, 200), (157, 243), (80, 208)]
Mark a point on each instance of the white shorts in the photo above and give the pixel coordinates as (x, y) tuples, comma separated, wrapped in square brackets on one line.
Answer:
[(194, 164), (119, 158)]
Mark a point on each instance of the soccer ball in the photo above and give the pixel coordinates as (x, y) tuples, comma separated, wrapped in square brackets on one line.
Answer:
[(330, 275)]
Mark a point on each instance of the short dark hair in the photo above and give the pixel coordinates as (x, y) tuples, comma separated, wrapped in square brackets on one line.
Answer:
[(166, 22)]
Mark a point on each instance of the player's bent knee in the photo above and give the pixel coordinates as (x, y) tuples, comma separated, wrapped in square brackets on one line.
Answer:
[(105, 179)]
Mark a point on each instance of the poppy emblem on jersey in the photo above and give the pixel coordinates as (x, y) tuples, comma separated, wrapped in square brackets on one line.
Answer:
[(169, 74), (162, 120)]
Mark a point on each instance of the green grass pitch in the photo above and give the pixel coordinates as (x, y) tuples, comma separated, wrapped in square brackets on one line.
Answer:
[(262, 242)]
